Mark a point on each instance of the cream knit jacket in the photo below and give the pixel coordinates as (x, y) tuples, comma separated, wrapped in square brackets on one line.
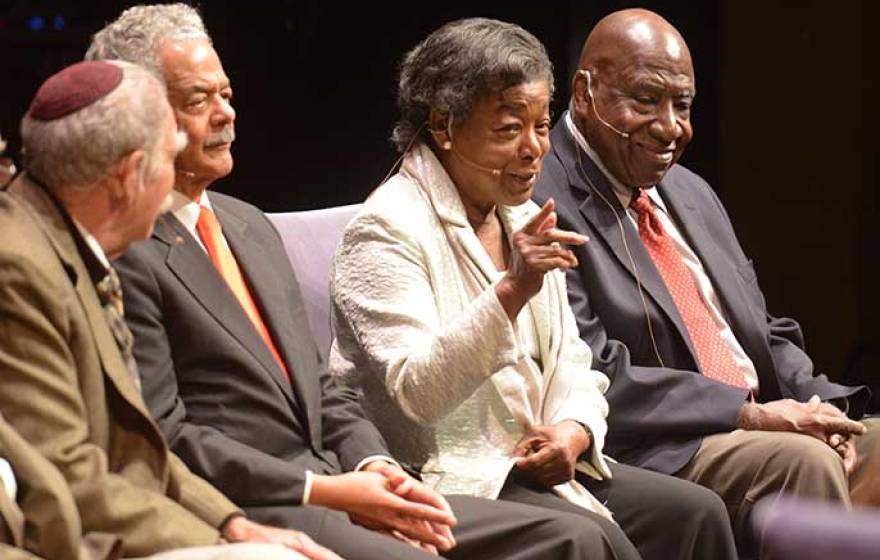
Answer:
[(421, 332)]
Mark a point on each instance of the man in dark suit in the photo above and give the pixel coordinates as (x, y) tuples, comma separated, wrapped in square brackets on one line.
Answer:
[(100, 142), (230, 369), (700, 373)]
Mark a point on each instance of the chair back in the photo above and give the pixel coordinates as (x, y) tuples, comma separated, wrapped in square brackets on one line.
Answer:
[(310, 239)]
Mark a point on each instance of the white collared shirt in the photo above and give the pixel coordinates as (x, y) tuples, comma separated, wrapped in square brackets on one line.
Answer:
[(8, 479), (187, 211), (704, 283), (92, 243)]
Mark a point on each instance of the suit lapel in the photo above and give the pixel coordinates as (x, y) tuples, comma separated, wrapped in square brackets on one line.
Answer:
[(602, 209), (192, 266), (725, 278), (256, 266)]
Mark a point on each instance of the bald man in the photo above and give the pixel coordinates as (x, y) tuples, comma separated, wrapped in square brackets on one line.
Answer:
[(705, 383)]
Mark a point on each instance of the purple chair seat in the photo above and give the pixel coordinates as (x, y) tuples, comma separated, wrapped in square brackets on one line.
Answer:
[(799, 529)]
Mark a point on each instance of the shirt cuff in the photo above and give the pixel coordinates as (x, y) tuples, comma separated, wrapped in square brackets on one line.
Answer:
[(8, 478), (307, 487), (367, 460)]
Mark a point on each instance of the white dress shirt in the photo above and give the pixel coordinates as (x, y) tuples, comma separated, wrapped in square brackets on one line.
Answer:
[(7, 477), (691, 261), (92, 243)]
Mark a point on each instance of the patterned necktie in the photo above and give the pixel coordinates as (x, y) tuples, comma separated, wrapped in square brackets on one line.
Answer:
[(713, 355), (209, 231), (110, 293)]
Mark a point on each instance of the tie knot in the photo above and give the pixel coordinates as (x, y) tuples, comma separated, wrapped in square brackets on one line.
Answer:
[(641, 203), (207, 218), (109, 284), (208, 226), (110, 290)]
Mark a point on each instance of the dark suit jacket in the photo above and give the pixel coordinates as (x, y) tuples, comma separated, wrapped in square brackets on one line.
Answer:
[(659, 414), (65, 388), (210, 380)]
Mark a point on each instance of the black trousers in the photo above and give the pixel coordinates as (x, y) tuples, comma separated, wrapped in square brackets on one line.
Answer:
[(663, 517), (486, 530), (658, 517)]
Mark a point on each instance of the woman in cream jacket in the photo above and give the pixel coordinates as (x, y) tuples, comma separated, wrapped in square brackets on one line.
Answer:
[(451, 311)]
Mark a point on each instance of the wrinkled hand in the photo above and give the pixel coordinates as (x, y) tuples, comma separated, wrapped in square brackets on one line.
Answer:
[(842, 444), (812, 418), (240, 529), (370, 499), (846, 449), (413, 490), (549, 453), (537, 249)]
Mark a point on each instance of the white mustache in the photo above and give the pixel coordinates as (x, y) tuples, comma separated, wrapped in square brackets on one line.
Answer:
[(225, 136)]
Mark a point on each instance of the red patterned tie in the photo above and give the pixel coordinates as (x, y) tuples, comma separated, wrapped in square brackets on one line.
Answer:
[(713, 354)]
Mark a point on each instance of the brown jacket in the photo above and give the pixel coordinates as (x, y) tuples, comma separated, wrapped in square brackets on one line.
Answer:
[(45, 517), (65, 388)]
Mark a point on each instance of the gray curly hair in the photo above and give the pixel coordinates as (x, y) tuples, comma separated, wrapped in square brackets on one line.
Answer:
[(78, 150), (458, 63), (138, 33)]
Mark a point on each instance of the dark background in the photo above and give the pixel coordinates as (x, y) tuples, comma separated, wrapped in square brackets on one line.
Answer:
[(785, 120)]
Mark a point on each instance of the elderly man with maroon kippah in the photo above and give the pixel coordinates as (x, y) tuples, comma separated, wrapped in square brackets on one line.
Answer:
[(96, 478)]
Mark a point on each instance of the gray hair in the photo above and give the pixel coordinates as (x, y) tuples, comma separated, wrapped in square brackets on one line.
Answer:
[(78, 150), (138, 33), (458, 63)]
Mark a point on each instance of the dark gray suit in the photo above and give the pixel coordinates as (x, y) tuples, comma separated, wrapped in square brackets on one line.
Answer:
[(228, 411), (211, 381), (660, 414)]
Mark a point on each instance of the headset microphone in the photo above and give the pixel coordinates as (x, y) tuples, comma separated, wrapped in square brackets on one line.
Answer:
[(450, 145), (494, 172), (608, 125)]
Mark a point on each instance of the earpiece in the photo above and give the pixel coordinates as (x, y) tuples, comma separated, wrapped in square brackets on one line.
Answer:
[(589, 76), (449, 145), (632, 261), (592, 101)]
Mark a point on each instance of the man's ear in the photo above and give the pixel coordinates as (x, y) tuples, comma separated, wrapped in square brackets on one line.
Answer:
[(439, 126), (581, 99), (127, 180)]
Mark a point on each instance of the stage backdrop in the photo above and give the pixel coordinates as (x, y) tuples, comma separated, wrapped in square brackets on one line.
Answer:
[(785, 120)]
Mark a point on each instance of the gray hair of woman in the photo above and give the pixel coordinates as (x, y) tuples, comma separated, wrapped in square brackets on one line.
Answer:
[(458, 63), (78, 150), (138, 33)]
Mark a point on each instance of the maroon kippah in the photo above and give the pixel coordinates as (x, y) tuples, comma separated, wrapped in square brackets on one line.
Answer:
[(73, 88)]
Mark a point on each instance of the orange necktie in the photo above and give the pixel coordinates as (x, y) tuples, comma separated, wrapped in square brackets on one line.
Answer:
[(210, 233), (713, 354)]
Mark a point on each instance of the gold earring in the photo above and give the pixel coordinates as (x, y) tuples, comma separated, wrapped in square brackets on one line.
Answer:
[(446, 145)]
